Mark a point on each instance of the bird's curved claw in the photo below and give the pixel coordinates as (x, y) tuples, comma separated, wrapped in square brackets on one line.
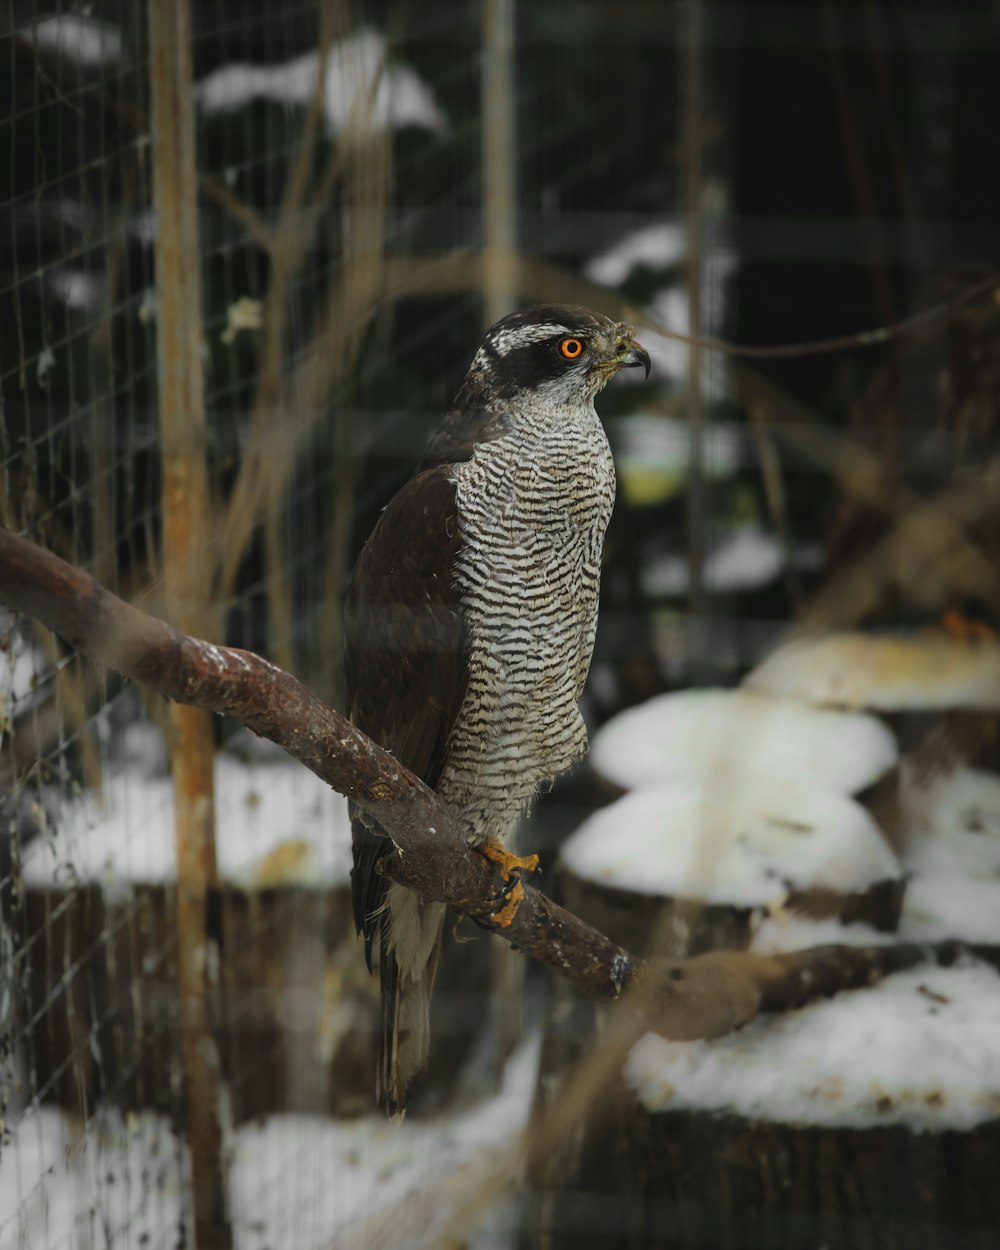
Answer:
[(512, 867), (512, 893)]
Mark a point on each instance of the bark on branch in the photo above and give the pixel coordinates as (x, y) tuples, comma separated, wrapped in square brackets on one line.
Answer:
[(701, 997)]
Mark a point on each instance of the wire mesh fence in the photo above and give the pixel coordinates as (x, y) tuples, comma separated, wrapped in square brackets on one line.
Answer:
[(373, 184)]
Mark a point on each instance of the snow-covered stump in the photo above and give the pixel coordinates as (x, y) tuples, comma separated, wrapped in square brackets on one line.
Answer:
[(868, 1122), (293, 1010), (938, 691), (735, 808), (733, 805)]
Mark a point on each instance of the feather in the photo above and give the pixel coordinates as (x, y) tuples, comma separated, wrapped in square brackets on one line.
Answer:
[(406, 660)]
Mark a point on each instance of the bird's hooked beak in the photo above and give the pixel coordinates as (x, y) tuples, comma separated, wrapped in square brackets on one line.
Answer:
[(635, 355), (625, 352)]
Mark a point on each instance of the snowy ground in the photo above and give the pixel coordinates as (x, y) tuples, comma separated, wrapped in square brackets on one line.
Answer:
[(276, 823), (297, 1182)]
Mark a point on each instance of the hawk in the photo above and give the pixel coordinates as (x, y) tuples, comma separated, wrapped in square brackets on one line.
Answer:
[(470, 623)]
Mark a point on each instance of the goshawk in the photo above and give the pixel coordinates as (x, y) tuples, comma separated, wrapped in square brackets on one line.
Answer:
[(470, 622)]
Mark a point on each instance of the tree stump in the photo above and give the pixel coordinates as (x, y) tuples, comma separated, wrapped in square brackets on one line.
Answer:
[(771, 1139)]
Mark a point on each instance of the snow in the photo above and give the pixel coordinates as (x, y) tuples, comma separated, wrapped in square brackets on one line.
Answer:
[(729, 739), (735, 798), (46, 362), (78, 290), (397, 1184), (858, 670), (359, 92), (670, 307), (958, 810), (949, 905), (20, 666), (296, 1181), (743, 560), (277, 823), (77, 38), (663, 245), (784, 931), (682, 840), (919, 1049), (953, 856), (118, 1185), (655, 246)]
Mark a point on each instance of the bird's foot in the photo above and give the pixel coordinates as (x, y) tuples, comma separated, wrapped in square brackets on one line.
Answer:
[(512, 895), (511, 867), (508, 864)]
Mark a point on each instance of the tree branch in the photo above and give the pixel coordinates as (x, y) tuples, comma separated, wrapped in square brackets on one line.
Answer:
[(701, 997)]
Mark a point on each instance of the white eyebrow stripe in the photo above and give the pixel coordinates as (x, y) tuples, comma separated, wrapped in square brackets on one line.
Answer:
[(509, 340)]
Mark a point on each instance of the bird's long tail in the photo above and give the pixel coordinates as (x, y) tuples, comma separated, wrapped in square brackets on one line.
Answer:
[(410, 947)]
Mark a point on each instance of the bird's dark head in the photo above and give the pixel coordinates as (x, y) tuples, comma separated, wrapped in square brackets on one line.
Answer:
[(557, 353)]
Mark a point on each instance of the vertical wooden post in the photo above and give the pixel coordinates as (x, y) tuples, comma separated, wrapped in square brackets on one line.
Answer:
[(499, 169), (185, 519), (692, 108)]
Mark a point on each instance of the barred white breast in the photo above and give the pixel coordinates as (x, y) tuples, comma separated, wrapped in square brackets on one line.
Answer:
[(533, 508)]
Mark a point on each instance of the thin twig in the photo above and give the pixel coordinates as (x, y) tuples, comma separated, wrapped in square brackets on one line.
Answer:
[(460, 271), (247, 216)]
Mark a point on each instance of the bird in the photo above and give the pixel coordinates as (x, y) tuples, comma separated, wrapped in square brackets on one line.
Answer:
[(470, 621)]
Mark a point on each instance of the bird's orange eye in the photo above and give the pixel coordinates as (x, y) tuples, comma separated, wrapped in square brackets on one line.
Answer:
[(571, 348)]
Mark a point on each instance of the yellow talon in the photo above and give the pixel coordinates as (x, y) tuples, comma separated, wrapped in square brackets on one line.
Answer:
[(511, 867), (507, 863), (506, 914)]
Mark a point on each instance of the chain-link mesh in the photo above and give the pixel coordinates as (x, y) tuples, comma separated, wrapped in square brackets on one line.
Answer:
[(358, 209)]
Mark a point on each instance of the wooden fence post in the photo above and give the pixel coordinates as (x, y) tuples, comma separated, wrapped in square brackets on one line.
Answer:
[(186, 518)]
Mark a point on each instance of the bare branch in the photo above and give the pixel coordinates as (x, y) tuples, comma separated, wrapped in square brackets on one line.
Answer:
[(460, 270), (705, 996), (434, 859)]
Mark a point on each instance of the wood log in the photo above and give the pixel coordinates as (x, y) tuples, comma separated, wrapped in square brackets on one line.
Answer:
[(694, 1182), (868, 1123)]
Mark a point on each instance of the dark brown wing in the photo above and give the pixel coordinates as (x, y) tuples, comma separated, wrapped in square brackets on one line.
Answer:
[(406, 655)]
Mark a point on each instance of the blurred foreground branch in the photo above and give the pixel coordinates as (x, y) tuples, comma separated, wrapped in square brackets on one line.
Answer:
[(705, 996)]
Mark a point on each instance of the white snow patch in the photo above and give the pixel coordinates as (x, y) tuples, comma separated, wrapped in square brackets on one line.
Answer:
[(118, 1184), (21, 666), (958, 810), (953, 856), (671, 308), (859, 670), (949, 905), (749, 849), (277, 823), (359, 91), (395, 1184), (919, 1049), (78, 290), (786, 931), (77, 38), (730, 739), (743, 560), (656, 246), (46, 362)]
